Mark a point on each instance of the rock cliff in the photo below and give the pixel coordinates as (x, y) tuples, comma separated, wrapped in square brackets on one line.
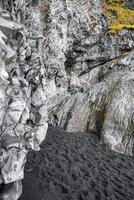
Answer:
[(89, 71), (61, 64), (23, 107)]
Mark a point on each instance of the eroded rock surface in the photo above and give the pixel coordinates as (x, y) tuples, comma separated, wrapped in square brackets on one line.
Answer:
[(23, 113), (58, 56), (89, 72)]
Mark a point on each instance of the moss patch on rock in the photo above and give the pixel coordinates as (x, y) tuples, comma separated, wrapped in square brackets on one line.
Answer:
[(118, 15)]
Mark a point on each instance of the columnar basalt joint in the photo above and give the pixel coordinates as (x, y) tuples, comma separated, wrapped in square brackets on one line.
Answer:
[(23, 125)]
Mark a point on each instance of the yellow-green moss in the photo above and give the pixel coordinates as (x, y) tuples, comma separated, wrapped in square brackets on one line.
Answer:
[(119, 16)]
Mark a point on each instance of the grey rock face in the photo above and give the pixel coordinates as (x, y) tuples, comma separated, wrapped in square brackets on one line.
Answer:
[(23, 106), (57, 57), (89, 72)]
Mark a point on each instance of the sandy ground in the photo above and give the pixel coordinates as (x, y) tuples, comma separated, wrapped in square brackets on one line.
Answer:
[(76, 167)]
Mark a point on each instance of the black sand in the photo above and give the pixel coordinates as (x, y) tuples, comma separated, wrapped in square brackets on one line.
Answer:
[(76, 167)]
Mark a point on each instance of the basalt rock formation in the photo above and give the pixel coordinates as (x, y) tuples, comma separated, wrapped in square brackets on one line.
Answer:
[(89, 72), (62, 64), (23, 107)]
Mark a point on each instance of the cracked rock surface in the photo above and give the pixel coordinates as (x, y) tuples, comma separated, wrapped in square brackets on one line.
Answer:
[(23, 112), (89, 71), (58, 63)]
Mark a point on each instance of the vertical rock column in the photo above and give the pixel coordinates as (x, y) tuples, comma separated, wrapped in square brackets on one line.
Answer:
[(23, 110), (55, 32)]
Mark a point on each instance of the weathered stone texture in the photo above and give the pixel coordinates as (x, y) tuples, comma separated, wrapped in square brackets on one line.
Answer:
[(22, 86), (89, 71), (56, 56)]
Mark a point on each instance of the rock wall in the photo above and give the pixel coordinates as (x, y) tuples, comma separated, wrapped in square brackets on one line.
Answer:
[(23, 110), (58, 57), (89, 72)]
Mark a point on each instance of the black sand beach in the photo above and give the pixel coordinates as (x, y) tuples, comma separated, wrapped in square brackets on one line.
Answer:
[(76, 167)]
